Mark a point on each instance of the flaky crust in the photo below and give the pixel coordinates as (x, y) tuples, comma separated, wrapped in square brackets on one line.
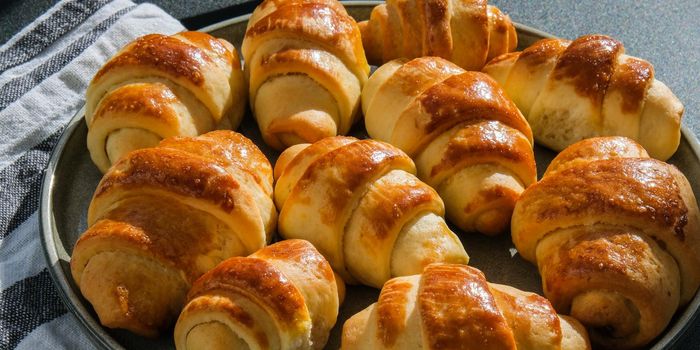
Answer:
[(283, 296), (161, 86), (468, 33), (616, 238), (309, 54), (468, 139), (359, 203), (163, 216), (452, 306), (572, 90)]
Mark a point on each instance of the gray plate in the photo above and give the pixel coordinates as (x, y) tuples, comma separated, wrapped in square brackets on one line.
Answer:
[(71, 178)]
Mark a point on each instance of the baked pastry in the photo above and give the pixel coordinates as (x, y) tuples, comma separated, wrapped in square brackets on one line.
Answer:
[(163, 216), (306, 67), (360, 204), (283, 296), (616, 237), (468, 32), (468, 139), (453, 307), (572, 90), (161, 86)]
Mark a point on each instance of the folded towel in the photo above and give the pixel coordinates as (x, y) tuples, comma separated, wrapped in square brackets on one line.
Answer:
[(44, 71)]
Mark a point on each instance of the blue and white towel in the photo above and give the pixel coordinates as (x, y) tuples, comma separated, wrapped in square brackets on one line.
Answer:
[(44, 71)]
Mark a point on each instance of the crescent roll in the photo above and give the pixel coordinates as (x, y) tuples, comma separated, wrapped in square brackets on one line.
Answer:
[(572, 90), (161, 86), (360, 204), (306, 67), (163, 216), (283, 296), (616, 237), (468, 139), (452, 306)]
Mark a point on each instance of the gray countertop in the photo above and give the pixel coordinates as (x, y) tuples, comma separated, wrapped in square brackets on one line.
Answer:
[(664, 32)]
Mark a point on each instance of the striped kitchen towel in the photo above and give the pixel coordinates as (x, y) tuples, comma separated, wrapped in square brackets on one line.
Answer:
[(44, 71)]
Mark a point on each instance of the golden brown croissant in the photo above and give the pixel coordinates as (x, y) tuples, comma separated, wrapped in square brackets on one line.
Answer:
[(163, 216), (360, 204), (468, 139), (162, 86), (572, 90), (452, 306), (616, 237), (467, 32), (283, 296), (306, 67)]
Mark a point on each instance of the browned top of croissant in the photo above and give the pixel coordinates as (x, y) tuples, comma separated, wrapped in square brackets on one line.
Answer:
[(191, 167), (589, 64), (468, 96), (152, 100), (635, 191), (174, 56), (349, 168), (458, 307), (260, 278)]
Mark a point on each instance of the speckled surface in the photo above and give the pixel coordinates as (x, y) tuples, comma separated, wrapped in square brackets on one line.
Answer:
[(666, 33)]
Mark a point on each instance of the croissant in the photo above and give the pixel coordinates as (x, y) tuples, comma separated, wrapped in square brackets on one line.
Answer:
[(306, 67), (452, 306), (360, 204), (468, 139), (162, 86), (572, 90), (468, 33), (616, 237), (283, 296), (163, 216)]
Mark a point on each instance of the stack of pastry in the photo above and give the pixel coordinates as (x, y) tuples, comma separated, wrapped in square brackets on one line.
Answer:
[(615, 234)]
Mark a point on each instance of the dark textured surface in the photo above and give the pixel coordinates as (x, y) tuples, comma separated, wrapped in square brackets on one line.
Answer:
[(665, 33)]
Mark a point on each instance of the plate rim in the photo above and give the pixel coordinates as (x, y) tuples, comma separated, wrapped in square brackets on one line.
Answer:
[(97, 333)]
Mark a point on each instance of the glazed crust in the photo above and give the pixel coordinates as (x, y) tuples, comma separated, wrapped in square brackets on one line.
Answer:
[(572, 90), (162, 86), (283, 296), (468, 139), (311, 53), (167, 215), (358, 202), (468, 33), (452, 306), (616, 238)]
